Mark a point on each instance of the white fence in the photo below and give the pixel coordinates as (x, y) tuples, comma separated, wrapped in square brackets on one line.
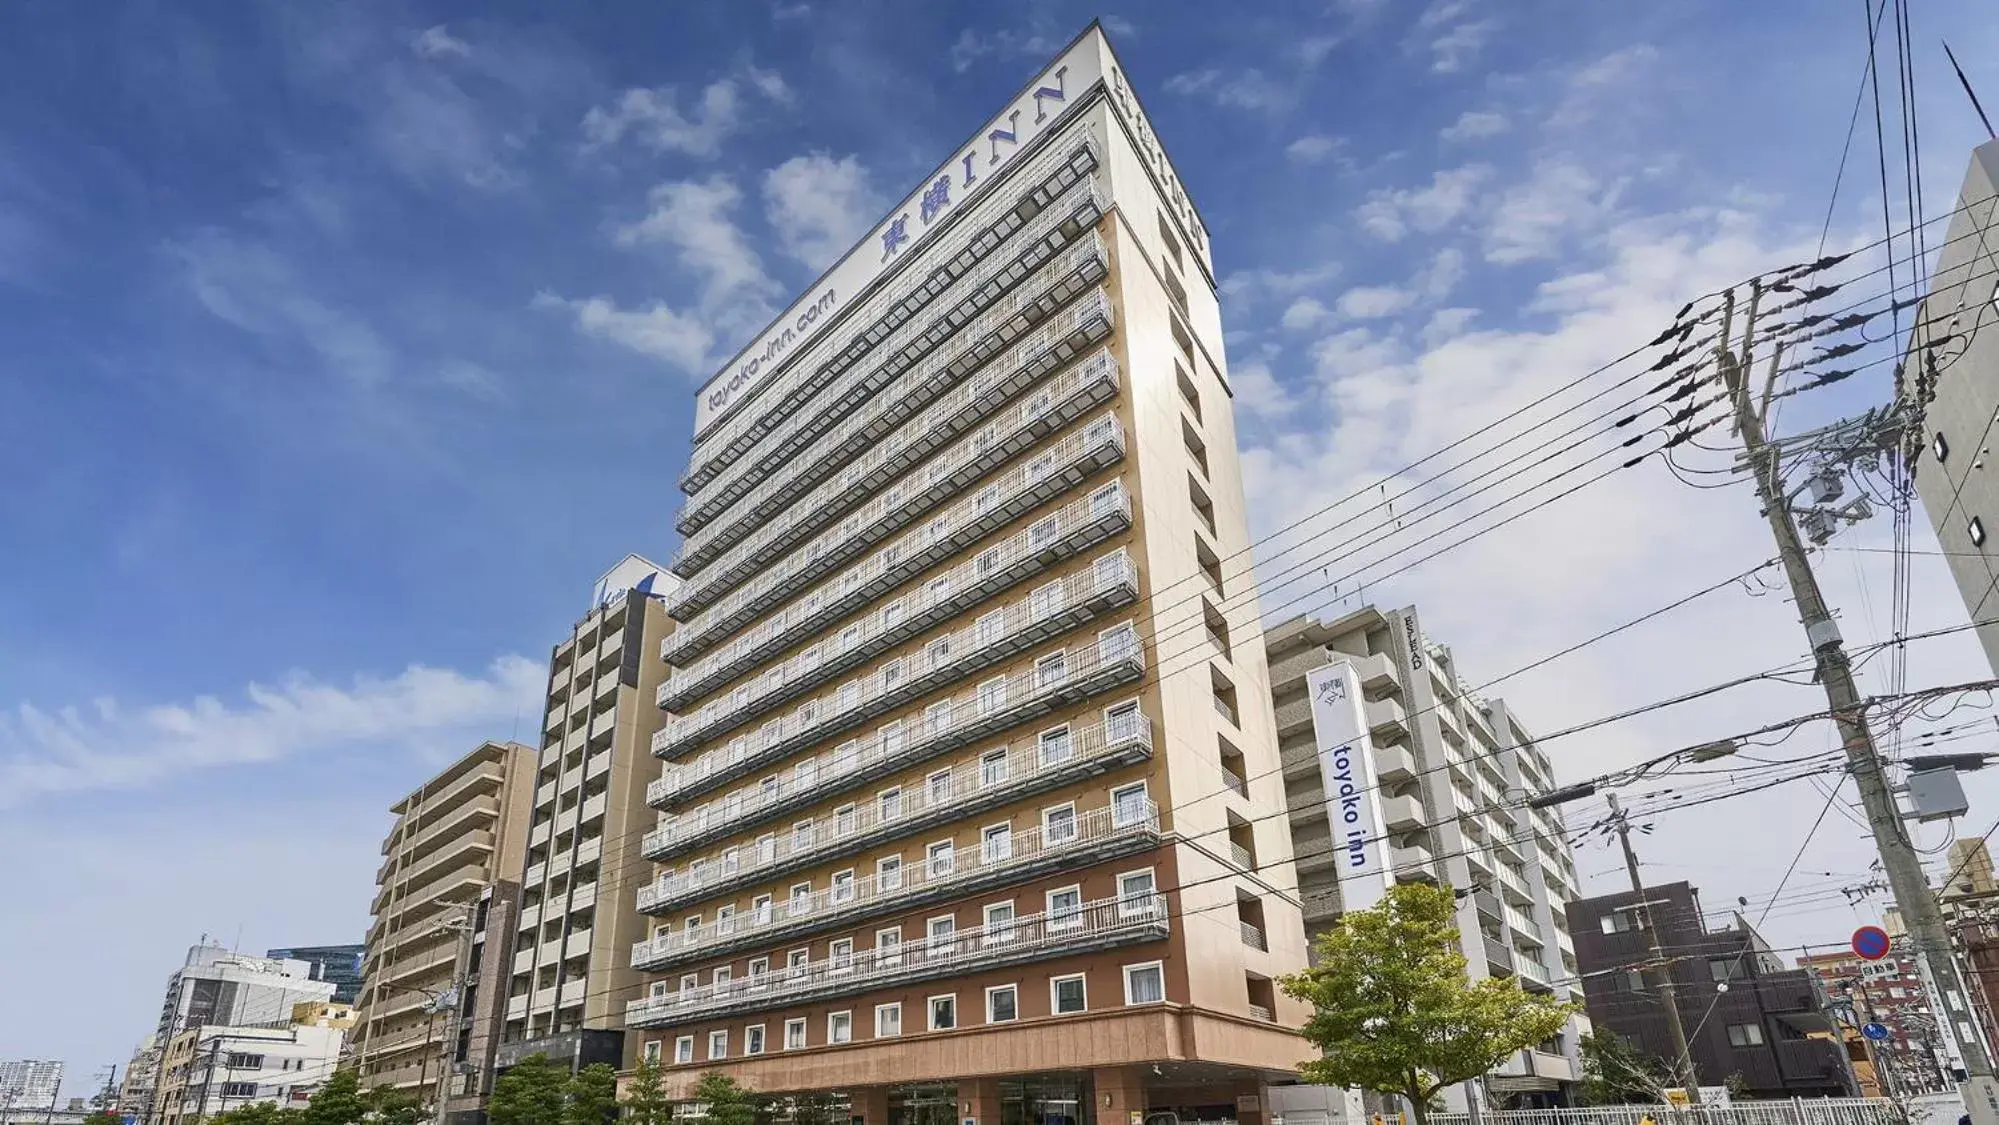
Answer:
[(1796, 1111)]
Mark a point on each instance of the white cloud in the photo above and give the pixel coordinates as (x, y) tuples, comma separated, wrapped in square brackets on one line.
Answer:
[(1594, 88), (1472, 125), (1389, 214), (437, 42), (1313, 148), (106, 746), (253, 288), (1005, 43), (681, 339), (819, 206), (1243, 288), (653, 117), (1451, 36), (1248, 89), (1560, 199), (695, 218), (1119, 26), (1304, 313), (1313, 49), (1259, 393), (1372, 302)]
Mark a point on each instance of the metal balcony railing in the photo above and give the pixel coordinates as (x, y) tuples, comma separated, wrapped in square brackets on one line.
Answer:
[(1252, 936), (1045, 179), (1020, 490), (1056, 536), (1029, 766), (1099, 925), (1090, 837), (999, 567), (1242, 856), (1050, 611), (1027, 345), (1258, 1011), (1055, 278), (1053, 406), (1235, 782)]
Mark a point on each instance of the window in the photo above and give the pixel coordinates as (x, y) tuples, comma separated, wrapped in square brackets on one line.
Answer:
[(1144, 984), (1976, 529), (990, 627), (891, 737), (240, 1061), (996, 843), (1066, 994), (1745, 1035), (937, 718), (691, 924), (939, 787), (690, 981), (937, 653), (888, 1020), (1134, 892), (1122, 721), (1055, 746), (1103, 501), (840, 1027), (753, 1039), (891, 673), (1058, 825), (759, 967), (943, 1013), (1129, 805), (992, 768), (987, 562), (1002, 1003), (1621, 921), (843, 886), (794, 1035), (1725, 968), (683, 1049), (766, 848), (1065, 908), (840, 955), (1051, 670), (999, 923), (888, 946), (888, 803), (1187, 390), (651, 1051), (888, 873), (725, 920), (238, 1090), (891, 615), (722, 976), (1046, 600), (801, 835), (796, 961), (992, 695), (1042, 532), (718, 1044), (801, 898), (943, 856), (843, 820), (988, 498), (942, 932)]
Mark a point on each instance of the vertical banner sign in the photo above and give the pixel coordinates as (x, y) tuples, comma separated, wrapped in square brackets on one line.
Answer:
[(1346, 766)]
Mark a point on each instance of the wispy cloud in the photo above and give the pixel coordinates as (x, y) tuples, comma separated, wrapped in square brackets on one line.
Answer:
[(1247, 89), (1474, 125), (1390, 214), (254, 288), (654, 118), (438, 42), (1558, 200), (106, 746), (681, 339), (1451, 35), (819, 206), (1001, 43), (695, 219), (1314, 148)]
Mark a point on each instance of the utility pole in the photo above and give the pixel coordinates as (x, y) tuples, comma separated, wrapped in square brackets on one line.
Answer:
[(1898, 857), (1684, 1062)]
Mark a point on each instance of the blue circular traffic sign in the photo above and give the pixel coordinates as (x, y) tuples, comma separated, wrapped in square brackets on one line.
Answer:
[(1875, 1031), (1871, 943)]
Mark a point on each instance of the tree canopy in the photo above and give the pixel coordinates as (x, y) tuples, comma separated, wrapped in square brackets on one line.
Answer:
[(1616, 1072), (1395, 1011), (645, 1100), (533, 1091)]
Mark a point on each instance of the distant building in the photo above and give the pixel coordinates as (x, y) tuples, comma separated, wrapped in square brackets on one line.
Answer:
[(1890, 992), (217, 986), (29, 1082), (325, 1013), (477, 1024), (1744, 1012), (135, 1093), (1446, 764), (210, 1069), (340, 964)]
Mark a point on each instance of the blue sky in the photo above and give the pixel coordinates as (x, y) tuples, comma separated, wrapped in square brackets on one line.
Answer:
[(347, 343)]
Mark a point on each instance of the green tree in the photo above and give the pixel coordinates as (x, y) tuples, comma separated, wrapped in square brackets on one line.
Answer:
[(1616, 1072), (256, 1113), (725, 1100), (1395, 1011), (531, 1092), (105, 1117), (338, 1102), (645, 1097), (593, 1096), (389, 1106)]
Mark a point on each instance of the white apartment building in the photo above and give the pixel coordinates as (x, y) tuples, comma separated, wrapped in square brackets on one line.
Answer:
[(1439, 776), (946, 827), (218, 986), (208, 1070), (29, 1082)]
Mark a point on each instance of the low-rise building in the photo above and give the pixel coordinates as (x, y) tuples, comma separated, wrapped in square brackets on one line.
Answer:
[(135, 1093), (210, 1069), (478, 1021), (1889, 992), (216, 985)]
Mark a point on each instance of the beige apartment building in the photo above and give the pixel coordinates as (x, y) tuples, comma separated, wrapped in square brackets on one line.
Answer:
[(972, 805), (457, 833), (570, 971)]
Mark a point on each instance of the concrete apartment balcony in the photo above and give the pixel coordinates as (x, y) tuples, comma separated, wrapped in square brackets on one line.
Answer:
[(1498, 958), (534, 874), (1512, 886), (1378, 674), (1393, 764), (517, 1006), (523, 959), (1062, 339), (572, 992), (1056, 404), (1090, 837), (590, 851), (576, 944), (781, 513), (874, 321), (990, 779), (1051, 611), (552, 720), (1107, 924), (1386, 719), (1404, 814), (1057, 469), (597, 765), (1413, 863), (1059, 677), (605, 687)]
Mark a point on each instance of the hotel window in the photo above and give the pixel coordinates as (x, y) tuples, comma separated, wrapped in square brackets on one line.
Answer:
[(1103, 501), (718, 1044), (943, 1013), (1122, 721), (843, 887), (801, 835), (999, 923), (1039, 468), (801, 899), (1042, 532), (1144, 984), (992, 695), (843, 820), (942, 934), (943, 857), (1055, 746), (1046, 600), (840, 955), (891, 737), (1051, 670), (1002, 1004), (891, 673), (1065, 908), (992, 768), (1129, 805), (850, 695), (651, 1052), (753, 1039), (725, 920), (683, 1049), (794, 1035), (690, 925), (937, 653), (888, 946), (888, 1020), (1134, 893), (690, 981), (891, 615), (759, 968), (937, 718), (795, 962), (1066, 995), (1058, 825), (840, 1027), (988, 561), (939, 787), (990, 627), (723, 976), (988, 498), (888, 873), (889, 804), (766, 848)]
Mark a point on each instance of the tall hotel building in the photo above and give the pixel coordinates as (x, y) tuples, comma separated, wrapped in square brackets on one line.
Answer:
[(971, 805)]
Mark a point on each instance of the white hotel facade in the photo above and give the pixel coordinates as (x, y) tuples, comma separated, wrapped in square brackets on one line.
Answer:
[(971, 805)]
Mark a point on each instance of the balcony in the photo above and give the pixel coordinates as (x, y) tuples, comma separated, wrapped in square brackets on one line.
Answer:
[(576, 944), (593, 808), (534, 874), (1394, 764), (1259, 1012), (1058, 678), (1235, 783), (552, 720), (573, 992), (1403, 814), (1386, 719), (523, 959), (1532, 972), (517, 1006), (1413, 863), (1077, 526), (1242, 857), (787, 507), (1051, 611), (585, 896), (1512, 885), (597, 766), (1057, 404), (872, 322), (590, 851), (1252, 936), (1061, 339), (1498, 958), (606, 686), (1032, 765), (1378, 674), (1106, 924), (1096, 835)]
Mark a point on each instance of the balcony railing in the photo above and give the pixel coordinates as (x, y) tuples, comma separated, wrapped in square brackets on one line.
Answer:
[(1235, 782), (1054, 405), (1258, 1011), (872, 322), (1035, 346), (1092, 837), (1252, 936), (1055, 279), (1029, 766), (1054, 609), (999, 567), (1106, 924), (1242, 856)]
